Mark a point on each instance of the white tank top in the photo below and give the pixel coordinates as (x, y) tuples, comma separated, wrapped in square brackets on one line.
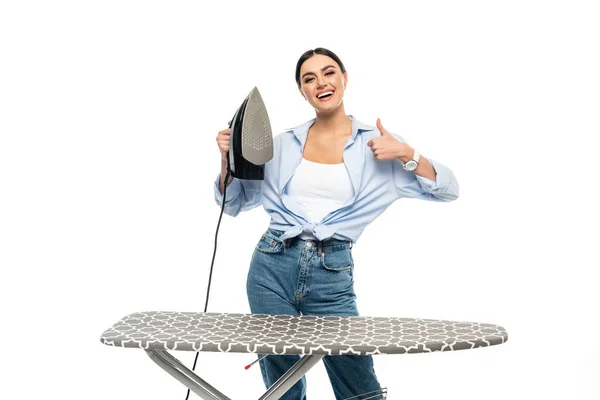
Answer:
[(319, 189)]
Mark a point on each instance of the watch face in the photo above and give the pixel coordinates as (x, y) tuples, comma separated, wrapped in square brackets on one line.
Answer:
[(410, 166)]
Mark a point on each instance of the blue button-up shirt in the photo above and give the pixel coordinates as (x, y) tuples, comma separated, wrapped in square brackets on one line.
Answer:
[(376, 185)]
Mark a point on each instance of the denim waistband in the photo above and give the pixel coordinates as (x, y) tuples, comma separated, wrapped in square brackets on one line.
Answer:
[(326, 244)]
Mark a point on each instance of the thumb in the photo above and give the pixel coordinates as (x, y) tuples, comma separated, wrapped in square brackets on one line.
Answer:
[(381, 128)]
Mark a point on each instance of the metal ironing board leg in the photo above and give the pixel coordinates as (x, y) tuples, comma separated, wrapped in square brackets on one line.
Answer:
[(206, 391), (292, 375), (184, 375)]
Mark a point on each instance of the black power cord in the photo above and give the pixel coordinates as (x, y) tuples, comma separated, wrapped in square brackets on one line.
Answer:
[(225, 183)]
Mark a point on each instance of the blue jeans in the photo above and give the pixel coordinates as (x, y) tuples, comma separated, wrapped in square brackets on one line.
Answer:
[(310, 278)]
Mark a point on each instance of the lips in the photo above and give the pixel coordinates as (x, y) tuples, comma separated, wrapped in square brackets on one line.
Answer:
[(324, 96)]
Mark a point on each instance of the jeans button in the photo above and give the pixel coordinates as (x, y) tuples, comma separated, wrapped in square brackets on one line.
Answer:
[(308, 244)]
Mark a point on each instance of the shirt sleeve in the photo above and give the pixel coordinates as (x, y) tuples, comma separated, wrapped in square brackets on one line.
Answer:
[(409, 184), (242, 195)]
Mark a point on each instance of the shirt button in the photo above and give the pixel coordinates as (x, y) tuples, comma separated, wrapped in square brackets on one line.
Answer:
[(308, 244)]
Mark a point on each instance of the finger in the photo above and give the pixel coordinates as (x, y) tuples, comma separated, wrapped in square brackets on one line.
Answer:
[(374, 143), (370, 143), (381, 128)]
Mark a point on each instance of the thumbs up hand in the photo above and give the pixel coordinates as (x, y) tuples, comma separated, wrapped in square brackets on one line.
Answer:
[(387, 147)]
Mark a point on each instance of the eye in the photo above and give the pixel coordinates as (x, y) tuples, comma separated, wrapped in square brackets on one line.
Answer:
[(329, 73), (308, 80)]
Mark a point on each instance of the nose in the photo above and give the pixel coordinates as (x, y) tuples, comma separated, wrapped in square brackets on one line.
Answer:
[(321, 81)]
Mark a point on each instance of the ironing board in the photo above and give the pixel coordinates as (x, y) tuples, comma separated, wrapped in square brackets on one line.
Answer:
[(311, 336)]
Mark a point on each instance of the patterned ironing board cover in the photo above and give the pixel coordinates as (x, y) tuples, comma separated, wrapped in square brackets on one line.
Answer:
[(306, 334)]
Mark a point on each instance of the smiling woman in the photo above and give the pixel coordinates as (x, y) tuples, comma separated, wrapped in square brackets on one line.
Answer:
[(323, 79), (329, 178)]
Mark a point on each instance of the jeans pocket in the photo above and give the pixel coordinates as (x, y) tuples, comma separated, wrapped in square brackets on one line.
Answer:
[(269, 244), (338, 260)]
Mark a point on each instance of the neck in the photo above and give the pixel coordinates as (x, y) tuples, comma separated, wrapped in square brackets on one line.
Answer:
[(333, 122)]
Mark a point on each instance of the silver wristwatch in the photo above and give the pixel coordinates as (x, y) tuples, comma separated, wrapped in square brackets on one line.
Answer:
[(412, 164)]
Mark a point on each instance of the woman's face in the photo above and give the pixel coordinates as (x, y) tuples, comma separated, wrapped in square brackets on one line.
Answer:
[(322, 83)]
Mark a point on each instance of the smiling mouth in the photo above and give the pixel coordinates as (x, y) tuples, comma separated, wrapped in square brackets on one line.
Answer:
[(325, 95)]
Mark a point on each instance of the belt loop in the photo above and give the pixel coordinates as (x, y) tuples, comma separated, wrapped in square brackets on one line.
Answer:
[(320, 247)]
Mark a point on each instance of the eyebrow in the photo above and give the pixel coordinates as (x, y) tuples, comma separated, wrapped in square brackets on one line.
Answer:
[(322, 69)]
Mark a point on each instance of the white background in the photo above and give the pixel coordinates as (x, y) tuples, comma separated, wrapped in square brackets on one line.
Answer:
[(108, 117)]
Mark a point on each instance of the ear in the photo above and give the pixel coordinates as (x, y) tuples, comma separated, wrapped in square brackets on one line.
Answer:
[(345, 79), (302, 93)]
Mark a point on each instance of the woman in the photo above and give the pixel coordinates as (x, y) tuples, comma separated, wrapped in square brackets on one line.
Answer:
[(328, 179)]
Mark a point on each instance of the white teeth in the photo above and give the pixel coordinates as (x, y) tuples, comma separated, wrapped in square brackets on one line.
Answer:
[(324, 94)]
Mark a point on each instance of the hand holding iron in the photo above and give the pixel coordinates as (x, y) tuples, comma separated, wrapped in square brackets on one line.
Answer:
[(223, 141)]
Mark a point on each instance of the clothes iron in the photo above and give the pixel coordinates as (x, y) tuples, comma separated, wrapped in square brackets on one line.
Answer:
[(250, 140)]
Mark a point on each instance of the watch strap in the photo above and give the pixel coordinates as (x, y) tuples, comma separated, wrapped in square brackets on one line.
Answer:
[(416, 156)]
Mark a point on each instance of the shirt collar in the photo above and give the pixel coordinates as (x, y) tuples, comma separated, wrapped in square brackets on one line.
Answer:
[(301, 131)]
